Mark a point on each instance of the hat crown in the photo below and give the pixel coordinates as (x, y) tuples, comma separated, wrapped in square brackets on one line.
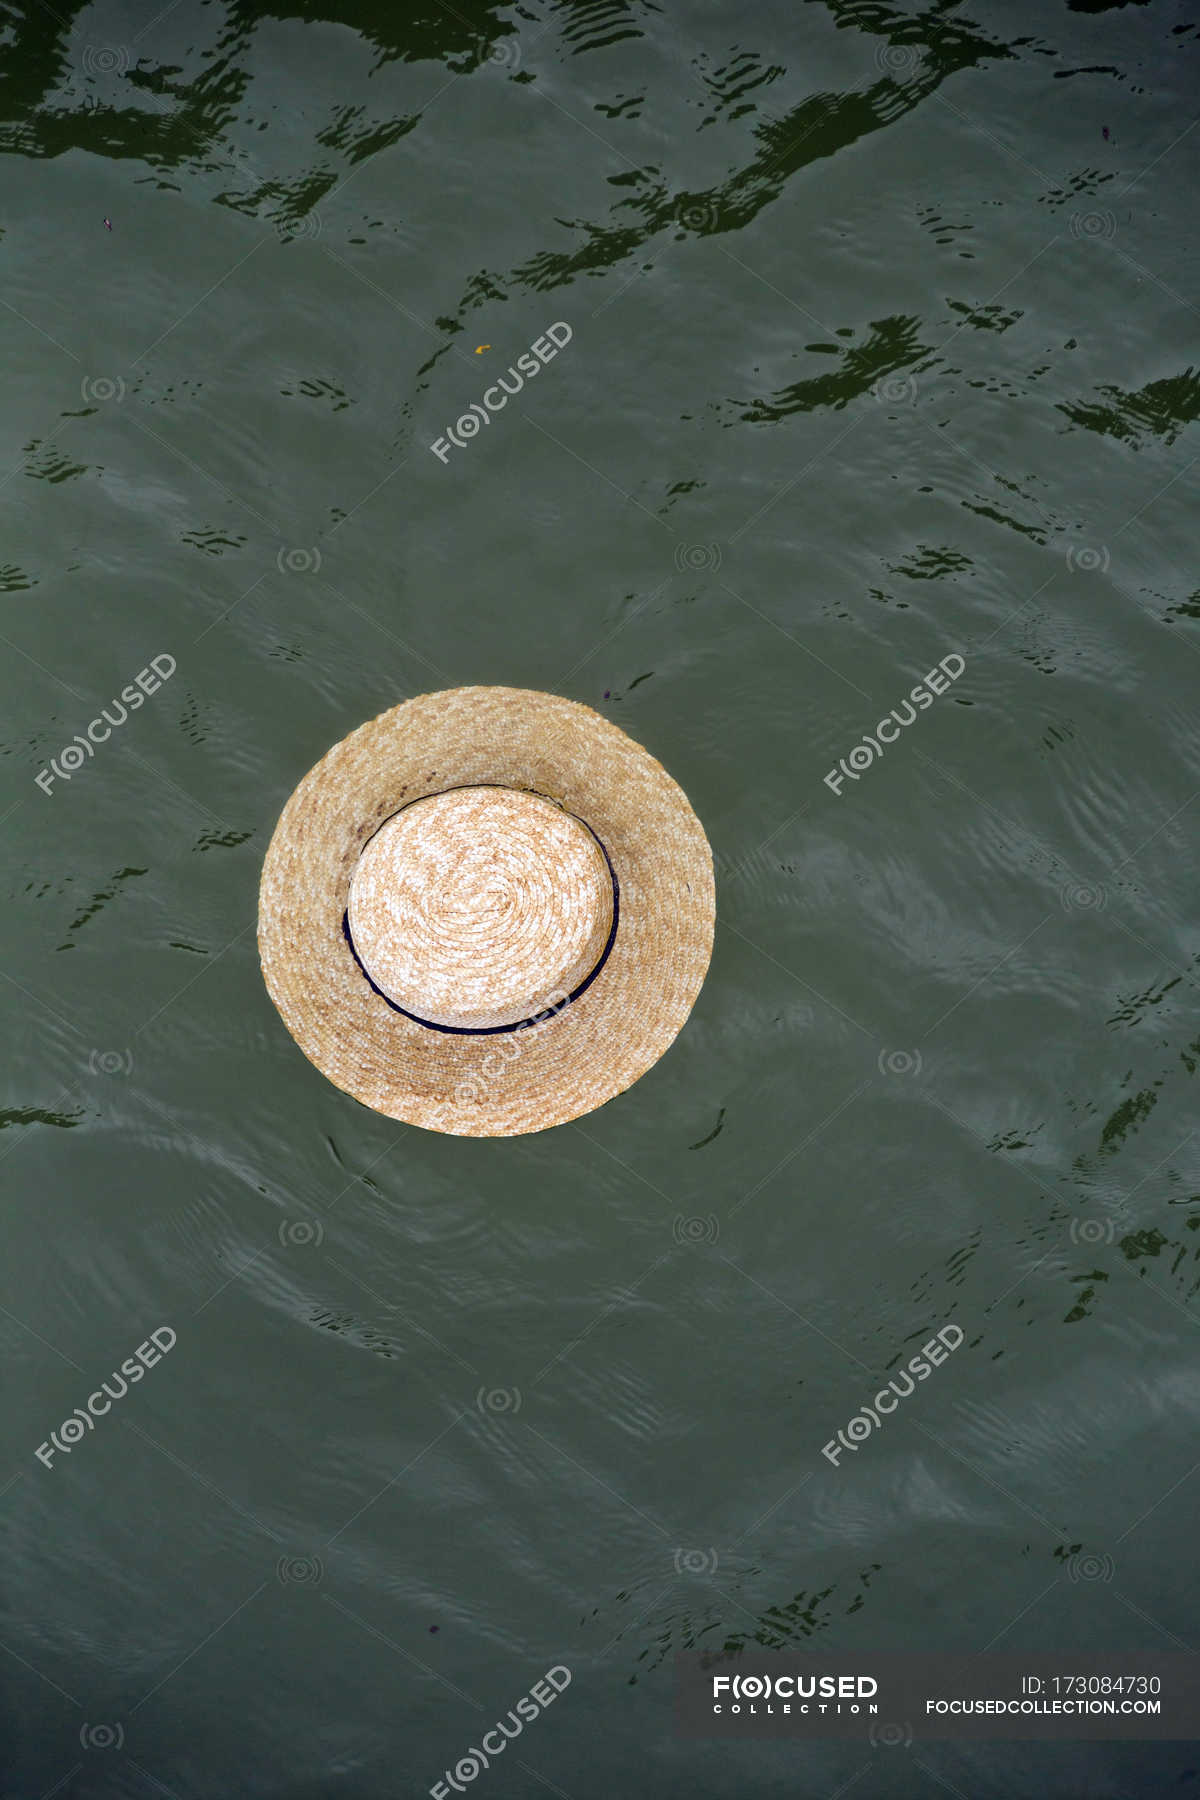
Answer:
[(477, 908)]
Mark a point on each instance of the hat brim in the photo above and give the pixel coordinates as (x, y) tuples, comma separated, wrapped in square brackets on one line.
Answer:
[(581, 1054)]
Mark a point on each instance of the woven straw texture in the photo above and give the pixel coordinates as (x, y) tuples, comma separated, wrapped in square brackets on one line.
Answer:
[(528, 868), (468, 906)]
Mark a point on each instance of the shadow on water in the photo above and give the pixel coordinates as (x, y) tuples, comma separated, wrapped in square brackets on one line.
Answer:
[(55, 97)]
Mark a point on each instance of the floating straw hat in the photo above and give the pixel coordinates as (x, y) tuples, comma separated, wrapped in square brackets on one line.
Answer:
[(486, 912)]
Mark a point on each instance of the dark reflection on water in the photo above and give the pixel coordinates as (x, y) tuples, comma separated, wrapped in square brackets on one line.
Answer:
[(883, 348)]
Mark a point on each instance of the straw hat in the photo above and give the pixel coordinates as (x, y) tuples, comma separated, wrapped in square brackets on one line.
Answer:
[(486, 912)]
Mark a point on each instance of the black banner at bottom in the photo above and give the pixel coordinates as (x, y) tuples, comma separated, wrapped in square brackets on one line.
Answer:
[(901, 1697)]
